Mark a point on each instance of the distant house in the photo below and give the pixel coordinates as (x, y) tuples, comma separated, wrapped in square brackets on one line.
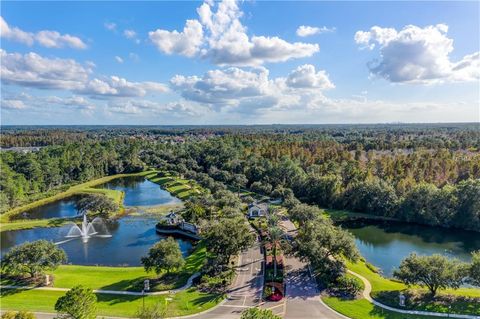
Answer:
[(257, 210), (172, 219)]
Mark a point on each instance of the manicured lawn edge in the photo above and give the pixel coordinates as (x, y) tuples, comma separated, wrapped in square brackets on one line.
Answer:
[(363, 309)]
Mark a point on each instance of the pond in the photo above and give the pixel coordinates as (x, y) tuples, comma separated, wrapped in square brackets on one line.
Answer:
[(139, 191), (386, 244), (131, 239), (62, 208)]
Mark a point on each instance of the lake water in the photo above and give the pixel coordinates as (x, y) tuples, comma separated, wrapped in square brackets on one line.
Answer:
[(385, 245), (62, 208), (131, 239), (140, 192)]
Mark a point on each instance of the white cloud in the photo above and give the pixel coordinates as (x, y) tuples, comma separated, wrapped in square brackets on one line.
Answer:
[(33, 70), (185, 43), (221, 37), (134, 57), (117, 86), (15, 34), (139, 107), (12, 104), (130, 34), (305, 31), (46, 38), (239, 90), (53, 39), (118, 59), (110, 26), (73, 101), (417, 55), (23, 101), (305, 76)]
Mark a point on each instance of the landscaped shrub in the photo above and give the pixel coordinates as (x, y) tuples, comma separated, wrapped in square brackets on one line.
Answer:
[(218, 283), (372, 267), (346, 287), (269, 275), (267, 292), (18, 315)]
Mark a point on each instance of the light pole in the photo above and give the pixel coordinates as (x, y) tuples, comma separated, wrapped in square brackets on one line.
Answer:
[(146, 288), (166, 304)]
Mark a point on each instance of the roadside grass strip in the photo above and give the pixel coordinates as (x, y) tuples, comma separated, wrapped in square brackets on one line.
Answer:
[(183, 303)]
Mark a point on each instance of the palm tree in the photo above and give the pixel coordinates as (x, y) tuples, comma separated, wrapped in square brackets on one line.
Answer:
[(275, 237)]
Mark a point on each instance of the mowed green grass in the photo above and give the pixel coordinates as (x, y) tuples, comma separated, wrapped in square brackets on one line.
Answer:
[(183, 303), (177, 186), (380, 283), (362, 309), (125, 278)]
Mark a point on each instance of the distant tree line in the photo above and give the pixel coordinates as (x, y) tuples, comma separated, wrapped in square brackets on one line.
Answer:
[(418, 173), (434, 187)]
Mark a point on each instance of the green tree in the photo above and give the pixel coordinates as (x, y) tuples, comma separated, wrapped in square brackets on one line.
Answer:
[(227, 237), (18, 315), (78, 303), (257, 313), (33, 258), (97, 203), (468, 210), (304, 213), (164, 256), (276, 238), (434, 272), (325, 247), (474, 273)]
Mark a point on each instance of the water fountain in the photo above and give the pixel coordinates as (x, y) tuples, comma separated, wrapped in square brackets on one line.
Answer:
[(95, 228)]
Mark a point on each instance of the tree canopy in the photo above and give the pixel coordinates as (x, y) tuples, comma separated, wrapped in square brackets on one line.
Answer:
[(434, 272), (78, 303), (227, 237), (164, 256), (33, 258)]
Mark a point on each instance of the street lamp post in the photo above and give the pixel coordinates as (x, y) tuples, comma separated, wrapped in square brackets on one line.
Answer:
[(146, 288), (166, 304)]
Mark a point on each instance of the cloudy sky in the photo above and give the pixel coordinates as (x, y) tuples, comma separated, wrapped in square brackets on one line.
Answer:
[(250, 62)]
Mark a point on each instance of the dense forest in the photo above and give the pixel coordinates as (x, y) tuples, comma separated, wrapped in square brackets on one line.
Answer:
[(427, 174)]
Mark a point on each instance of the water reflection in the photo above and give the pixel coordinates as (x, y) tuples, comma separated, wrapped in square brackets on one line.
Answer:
[(63, 208), (385, 244), (131, 239), (140, 192)]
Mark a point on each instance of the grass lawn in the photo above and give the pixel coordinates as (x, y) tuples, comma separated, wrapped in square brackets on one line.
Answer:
[(362, 309), (386, 291), (177, 186), (184, 303), (126, 278)]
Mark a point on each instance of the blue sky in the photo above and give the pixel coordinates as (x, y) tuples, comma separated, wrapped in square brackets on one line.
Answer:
[(245, 62)]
